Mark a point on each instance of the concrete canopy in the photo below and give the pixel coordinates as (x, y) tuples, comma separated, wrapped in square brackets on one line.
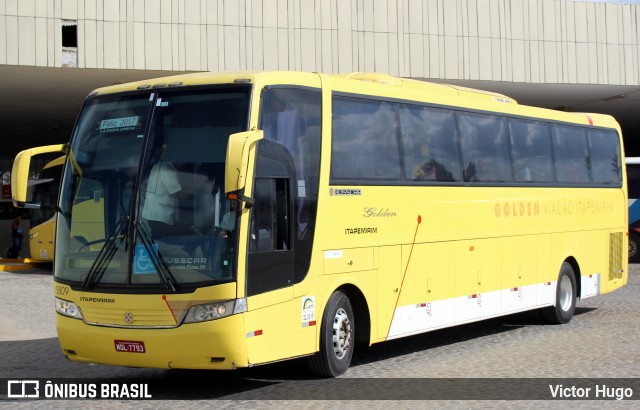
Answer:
[(39, 105)]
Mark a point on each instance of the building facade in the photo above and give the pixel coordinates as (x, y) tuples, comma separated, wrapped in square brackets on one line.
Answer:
[(529, 41)]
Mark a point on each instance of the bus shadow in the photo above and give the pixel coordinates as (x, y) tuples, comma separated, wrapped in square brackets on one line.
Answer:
[(452, 335)]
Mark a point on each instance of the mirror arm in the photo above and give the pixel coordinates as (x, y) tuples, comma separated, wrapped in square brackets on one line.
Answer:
[(239, 196)]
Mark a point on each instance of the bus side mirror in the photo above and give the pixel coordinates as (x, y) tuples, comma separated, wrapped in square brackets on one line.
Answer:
[(20, 173), (237, 161)]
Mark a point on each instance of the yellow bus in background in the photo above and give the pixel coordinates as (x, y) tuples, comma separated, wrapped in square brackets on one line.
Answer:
[(44, 193), (248, 218), (633, 185), (43, 219)]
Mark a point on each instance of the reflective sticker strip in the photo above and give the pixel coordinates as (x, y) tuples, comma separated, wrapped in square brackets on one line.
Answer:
[(426, 306), (254, 333), (590, 120), (307, 324)]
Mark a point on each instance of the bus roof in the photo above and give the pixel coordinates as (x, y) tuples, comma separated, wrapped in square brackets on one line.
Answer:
[(426, 86), (249, 77), (453, 95)]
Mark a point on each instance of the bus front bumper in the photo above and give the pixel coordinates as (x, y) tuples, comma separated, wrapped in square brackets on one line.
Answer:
[(218, 344)]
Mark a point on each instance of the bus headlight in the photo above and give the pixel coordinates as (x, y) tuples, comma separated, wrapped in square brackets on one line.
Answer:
[(213, 311), (68, 309)]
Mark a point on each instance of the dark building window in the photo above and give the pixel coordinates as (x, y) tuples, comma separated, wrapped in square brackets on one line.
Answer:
[(70, 33)]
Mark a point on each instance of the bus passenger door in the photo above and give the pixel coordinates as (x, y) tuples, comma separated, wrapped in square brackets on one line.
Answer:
[(270, 254), (271, 317)]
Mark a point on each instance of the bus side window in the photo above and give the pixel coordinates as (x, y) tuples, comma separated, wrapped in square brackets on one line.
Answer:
[(606, 161), (531, 151), (485, 149), (570, 146)]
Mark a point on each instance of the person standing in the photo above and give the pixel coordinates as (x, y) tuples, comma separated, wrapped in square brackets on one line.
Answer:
[(161, 198), (16, 236)]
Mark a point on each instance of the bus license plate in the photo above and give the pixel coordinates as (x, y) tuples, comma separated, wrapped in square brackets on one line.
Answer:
[(129, 346)]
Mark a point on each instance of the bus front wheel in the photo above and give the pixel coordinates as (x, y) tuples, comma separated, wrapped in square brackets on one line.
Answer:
[(337, 336), (566, 293)]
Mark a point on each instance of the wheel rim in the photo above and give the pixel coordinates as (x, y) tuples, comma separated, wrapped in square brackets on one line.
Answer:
[(566, 293), (341, 333)]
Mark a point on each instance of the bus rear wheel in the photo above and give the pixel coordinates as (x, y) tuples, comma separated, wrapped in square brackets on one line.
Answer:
[(337, 336), (566, 293)]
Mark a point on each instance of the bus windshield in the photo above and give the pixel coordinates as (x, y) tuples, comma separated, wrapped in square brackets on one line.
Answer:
[(142, 200)]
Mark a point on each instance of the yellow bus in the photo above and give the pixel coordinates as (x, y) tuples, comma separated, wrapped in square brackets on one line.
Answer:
[(254, 217), (43, 218), (44, 193)]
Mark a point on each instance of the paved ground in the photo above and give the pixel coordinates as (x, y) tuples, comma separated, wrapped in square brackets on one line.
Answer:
[(602, 341)]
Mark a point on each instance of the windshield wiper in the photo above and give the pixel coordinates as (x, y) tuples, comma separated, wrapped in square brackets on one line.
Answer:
[(168, 281), (106, 253)]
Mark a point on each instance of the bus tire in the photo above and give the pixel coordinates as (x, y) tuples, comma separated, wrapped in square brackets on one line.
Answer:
[(337, 337), (566, 293), (634, 243)]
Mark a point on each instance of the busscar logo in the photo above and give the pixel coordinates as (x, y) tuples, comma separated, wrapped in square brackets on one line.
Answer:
[(128, 317), (23, 389)]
